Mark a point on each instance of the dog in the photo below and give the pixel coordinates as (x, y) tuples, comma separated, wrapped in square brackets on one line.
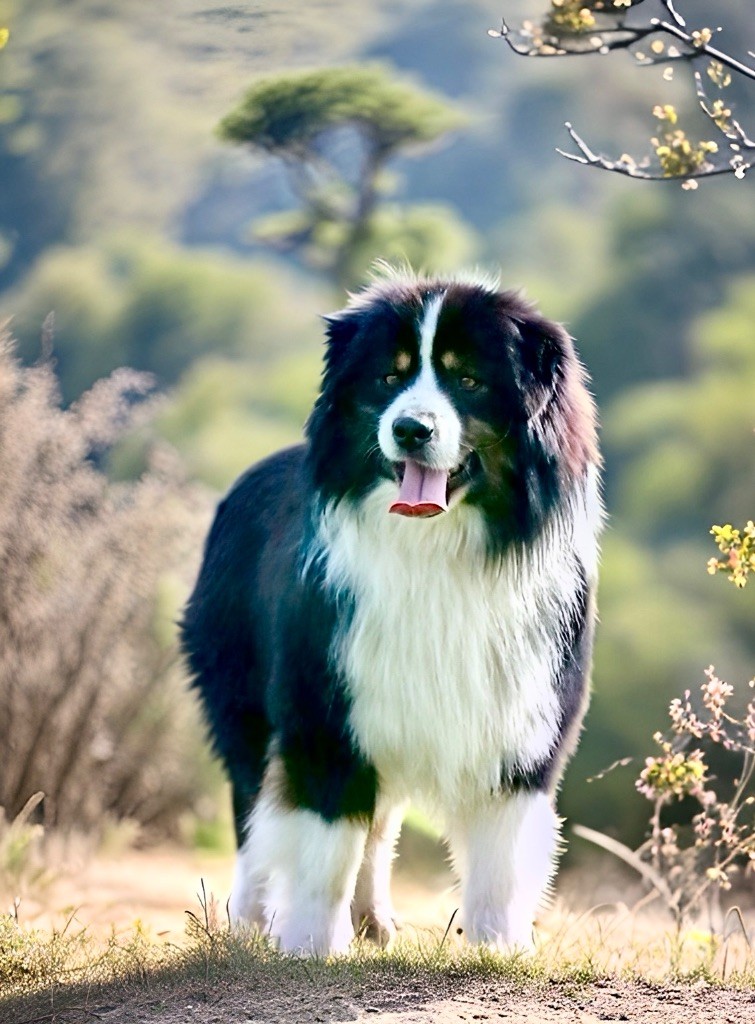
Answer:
[(402, 609)]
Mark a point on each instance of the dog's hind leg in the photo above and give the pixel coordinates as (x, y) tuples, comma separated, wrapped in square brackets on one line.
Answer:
[(505, 855), (372, 908)]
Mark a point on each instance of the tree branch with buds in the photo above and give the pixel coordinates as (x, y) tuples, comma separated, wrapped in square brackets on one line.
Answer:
[(598, 27)]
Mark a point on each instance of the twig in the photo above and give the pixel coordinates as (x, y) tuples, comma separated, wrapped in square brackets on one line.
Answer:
[(736, 130), (629, 857), (448, 929), (737, 914), (590, 159), (55, 1015), (600, 41), (668, 4), (634, 170), (703, 49)]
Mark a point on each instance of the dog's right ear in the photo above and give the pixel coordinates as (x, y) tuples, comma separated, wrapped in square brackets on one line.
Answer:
[(340, 327)]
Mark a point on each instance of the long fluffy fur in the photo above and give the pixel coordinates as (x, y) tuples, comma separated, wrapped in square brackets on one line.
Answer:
[(350, 660)]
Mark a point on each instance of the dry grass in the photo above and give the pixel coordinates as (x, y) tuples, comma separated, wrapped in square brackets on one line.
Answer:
[(607, 942)]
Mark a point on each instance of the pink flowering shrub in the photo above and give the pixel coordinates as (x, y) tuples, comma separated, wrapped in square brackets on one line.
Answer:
[(693, 863), (689, 865)]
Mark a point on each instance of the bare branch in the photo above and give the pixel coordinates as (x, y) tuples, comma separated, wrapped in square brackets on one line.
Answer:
[(732, 129), (668, 4), (703, 48), (611, 32), (534, 41), (625, 165)]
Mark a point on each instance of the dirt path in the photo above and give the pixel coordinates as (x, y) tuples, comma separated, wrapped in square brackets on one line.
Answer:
[(493, 1002), (414, 1003)]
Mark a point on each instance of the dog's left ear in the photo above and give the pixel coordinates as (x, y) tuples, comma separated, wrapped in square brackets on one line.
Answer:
[(543, 350)]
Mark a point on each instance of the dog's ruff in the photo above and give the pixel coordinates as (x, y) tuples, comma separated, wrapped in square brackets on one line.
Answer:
[(351, 660)]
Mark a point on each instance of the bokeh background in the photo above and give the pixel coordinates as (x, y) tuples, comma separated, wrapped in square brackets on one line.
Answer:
[(158, 245)]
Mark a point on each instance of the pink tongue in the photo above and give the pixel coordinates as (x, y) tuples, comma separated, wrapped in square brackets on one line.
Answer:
[(422, 492)]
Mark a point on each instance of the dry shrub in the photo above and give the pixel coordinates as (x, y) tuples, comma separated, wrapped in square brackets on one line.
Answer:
[(94, 710)]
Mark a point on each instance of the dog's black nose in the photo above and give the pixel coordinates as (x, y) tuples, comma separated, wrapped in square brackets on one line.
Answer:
[(410, 433)]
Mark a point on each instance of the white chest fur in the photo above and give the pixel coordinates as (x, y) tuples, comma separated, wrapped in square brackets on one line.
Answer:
[(451, 660)]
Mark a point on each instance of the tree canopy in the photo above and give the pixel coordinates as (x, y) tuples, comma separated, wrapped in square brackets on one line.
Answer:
[(286, 114)]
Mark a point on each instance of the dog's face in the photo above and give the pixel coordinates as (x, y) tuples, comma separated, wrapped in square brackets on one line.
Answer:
[(454, 392)]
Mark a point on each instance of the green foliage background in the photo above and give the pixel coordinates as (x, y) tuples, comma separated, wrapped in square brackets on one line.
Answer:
[(122, 212)]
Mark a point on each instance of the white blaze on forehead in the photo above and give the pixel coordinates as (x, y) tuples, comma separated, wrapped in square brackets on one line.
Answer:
[(427, 329), (425, 398)]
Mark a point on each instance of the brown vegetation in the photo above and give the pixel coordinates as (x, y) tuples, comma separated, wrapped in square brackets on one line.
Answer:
[(93, 711)]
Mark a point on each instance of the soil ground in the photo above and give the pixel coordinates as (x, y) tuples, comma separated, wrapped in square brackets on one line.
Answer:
[(156, 888), (413, 1002)]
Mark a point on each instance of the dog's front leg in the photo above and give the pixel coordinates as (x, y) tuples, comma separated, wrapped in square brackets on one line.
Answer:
[(313, 883), (311, 867), (504, 852)]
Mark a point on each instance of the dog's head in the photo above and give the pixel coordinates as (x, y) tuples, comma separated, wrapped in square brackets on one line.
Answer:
[(456, 392)]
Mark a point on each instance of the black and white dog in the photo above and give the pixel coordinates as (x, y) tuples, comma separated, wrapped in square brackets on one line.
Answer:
[(402, 609)]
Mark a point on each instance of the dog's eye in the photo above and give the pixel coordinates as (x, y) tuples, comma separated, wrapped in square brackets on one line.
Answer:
[(392, 380), (470, 383)]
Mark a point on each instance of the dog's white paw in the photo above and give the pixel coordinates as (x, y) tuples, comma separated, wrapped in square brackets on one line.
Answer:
[(315, 935), (501, 934)]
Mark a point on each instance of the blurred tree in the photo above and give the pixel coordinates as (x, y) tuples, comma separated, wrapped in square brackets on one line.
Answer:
[(141, 302), (227, 414), (668, 259), (335, 130), (688, 442), (106, 110), (686, 455)]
